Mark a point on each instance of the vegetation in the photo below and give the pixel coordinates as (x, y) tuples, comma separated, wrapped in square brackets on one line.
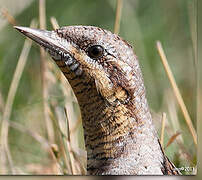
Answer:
[(40, 123)]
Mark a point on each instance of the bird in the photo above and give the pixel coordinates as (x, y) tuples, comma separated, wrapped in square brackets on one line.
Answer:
[(104, 73)]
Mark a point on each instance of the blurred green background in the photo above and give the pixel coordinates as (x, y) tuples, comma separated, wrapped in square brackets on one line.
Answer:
[(142, 24)]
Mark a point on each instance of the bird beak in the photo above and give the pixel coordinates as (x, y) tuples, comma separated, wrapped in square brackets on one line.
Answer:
[(42, 37), (47, 39)]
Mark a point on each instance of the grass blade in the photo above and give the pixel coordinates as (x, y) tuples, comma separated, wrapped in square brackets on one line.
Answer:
[(8, 16), (172, 139), (44, 71), (10, 99), (119, 6), (54, 23), (176, 92)]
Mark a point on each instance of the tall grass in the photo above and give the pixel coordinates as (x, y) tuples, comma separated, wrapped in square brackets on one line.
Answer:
[(52, 128)]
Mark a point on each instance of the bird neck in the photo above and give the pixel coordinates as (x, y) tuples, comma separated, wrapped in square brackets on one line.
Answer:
[(119, 138)]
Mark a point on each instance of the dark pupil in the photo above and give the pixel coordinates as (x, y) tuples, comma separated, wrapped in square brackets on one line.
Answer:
[(95, 51)]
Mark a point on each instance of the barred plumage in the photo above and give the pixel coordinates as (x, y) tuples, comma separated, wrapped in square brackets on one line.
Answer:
[(119, 134)]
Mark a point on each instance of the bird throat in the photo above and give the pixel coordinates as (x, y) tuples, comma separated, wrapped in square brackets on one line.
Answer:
[(118, 137)]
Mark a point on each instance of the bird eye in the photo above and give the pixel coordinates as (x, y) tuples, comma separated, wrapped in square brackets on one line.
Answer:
[(95, 51)]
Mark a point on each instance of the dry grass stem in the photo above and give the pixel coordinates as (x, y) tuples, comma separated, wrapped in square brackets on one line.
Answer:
[(172, 112), (11, 96), (72, 119), (56, 156), (192, 14), (33, 134), (2, 104), (76, 166), (69, 147), (182, 150), (76, 126), (66, 160), (64, 147), (176, 91), (163, 129), (8, 16), (119, 6), (44, 72), (61, 142), (54, 23), (42, 14), (172, 139)]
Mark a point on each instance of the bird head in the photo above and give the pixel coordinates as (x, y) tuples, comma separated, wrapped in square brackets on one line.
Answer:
[(91, 52)]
